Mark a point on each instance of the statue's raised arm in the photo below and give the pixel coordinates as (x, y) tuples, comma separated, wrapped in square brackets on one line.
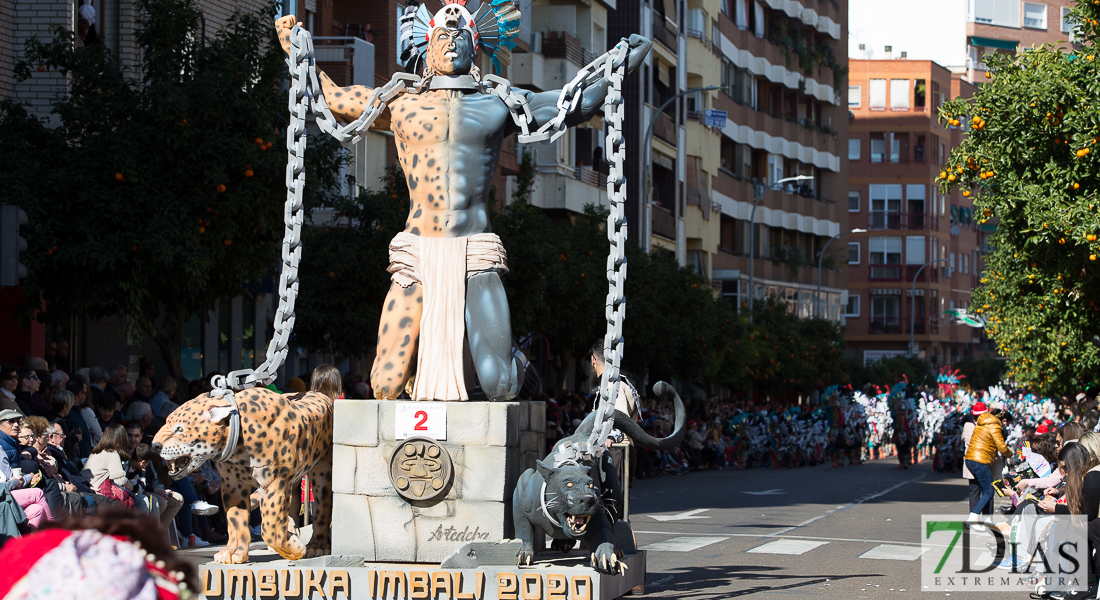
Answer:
[(544, 105), (346, 103)]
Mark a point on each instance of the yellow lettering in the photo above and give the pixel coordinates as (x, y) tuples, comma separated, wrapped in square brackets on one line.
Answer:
[(396, 581), (268, 586), (507, 583), (479, 585), (371, 576), (339, 580), (243, 580), (557, 586), (419, 585), (288, 576), (530, 579), (441, 583), (314, 581), (209, 578), (459, 594), (578, 580)]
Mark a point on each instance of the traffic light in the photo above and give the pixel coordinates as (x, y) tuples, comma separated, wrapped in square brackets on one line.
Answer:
[(11, 244)]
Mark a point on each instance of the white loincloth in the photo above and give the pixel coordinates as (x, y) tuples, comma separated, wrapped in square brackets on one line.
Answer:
[(441, 267)]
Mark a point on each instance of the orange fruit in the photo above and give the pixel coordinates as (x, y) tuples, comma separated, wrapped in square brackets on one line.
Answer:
[(951, 178), (1092, 257), (119, 177), (248, 173), (220, 187), (258, 141), (966, 193), (41, 69), (228, 242), (1076, 185)]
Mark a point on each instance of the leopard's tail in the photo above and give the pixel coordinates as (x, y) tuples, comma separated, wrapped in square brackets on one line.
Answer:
[(627, 425)]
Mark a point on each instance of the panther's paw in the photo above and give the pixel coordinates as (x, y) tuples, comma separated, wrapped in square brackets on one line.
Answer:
[(525, 557), (606, 559)]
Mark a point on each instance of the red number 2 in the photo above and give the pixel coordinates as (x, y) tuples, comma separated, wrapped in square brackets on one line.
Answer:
[(421, 424)]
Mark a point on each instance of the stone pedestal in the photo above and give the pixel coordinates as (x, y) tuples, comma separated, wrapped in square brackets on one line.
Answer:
[(490, 444)]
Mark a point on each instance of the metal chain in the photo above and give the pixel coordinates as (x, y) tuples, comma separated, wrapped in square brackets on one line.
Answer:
[(304, 95)]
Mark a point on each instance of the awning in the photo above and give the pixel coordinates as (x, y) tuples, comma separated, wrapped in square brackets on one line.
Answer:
[(992, 43)]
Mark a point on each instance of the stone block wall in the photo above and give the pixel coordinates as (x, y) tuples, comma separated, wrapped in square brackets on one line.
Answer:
[(490, 445)]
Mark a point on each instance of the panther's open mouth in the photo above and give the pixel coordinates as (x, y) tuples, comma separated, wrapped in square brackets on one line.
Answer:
[(577, 523), (177, 467)]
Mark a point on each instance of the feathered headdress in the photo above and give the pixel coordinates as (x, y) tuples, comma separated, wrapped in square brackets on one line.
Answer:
[(494, 27)]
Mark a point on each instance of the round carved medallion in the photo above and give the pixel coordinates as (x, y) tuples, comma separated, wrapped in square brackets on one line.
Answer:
[(420, 469)]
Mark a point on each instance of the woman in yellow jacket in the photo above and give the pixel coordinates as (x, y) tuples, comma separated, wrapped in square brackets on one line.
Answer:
[(985, 444)]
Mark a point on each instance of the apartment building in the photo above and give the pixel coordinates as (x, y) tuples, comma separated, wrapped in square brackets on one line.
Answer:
[(1010, 25), (921, 252)]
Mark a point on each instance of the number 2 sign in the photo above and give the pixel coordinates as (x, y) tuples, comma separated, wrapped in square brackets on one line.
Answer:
[(420, 418)]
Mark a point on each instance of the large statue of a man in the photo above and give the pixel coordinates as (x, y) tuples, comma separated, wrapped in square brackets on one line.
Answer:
[(446, 297)]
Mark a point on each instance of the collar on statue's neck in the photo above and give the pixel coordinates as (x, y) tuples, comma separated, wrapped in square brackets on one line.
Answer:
[(453, 82)]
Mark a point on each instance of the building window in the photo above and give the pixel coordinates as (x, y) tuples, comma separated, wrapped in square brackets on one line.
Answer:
[(899, 94), (1035, 15), (1005, 13), (885, 257), (919, 92), (855, 95), (878, 147), (852, 308), (853, 201), (1067, 27), (853, 148), (853, 253), (914, 250), (884, 313), (878, 94)]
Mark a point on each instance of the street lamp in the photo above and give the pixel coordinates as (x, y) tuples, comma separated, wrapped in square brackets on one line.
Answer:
[(913, 304), (647, 143), (817, 299), (759, 193)]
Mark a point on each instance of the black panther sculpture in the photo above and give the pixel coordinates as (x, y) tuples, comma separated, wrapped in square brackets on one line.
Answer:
[(569, 501)]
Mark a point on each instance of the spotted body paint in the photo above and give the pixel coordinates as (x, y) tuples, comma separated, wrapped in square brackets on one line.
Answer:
[(282, 439)]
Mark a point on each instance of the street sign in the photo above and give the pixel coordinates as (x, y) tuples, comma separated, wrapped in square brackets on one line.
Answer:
[(715, 118)]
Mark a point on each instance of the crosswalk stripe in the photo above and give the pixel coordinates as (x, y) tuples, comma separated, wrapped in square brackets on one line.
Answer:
[(683, 544), (893, 552), (790, 547)]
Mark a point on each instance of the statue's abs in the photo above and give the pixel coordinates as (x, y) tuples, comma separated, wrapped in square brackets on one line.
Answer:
[(449, 144)]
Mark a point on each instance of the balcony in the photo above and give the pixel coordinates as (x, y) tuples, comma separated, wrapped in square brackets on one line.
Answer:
[(882, 219), (590, 176), (663, 34), (665, 129), (898, 272), (885, 324), (664, 224), (347, 60), (559, 44), (569, 188), (923, 326)]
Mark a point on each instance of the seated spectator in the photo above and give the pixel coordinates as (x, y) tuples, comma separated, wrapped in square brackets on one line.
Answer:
[(107, 412), (19, 485), (117, 376), (126, 393), (61, 404), (143, 389), (105, 463), (33, 437), (27, 397), (139, 423), (58, 377), (163, 402), (97, 381), (148, 471), (81, 417), (9, 382), (326, 380)]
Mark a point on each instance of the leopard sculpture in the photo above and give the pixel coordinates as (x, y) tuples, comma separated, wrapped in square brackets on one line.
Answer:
[(281, 439), (577, 501)]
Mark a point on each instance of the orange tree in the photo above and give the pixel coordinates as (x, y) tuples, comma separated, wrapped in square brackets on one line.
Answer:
[(1030, 163), (159, 194)]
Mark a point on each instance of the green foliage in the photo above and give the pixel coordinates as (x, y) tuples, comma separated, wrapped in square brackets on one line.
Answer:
[(343, 279), (1030, 161), (160, 196)]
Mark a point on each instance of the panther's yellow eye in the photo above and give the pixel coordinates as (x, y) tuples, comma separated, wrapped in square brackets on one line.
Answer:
[(569, 485)]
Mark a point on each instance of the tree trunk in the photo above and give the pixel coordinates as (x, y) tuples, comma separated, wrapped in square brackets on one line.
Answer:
[(167, 338)]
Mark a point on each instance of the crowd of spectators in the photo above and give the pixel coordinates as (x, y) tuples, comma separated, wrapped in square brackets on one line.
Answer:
[(77, 442)]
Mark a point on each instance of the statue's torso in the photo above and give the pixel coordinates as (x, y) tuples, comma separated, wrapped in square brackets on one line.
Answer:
[(448, 143)]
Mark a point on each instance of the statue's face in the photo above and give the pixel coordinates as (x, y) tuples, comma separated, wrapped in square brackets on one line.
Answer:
[(451, 51)]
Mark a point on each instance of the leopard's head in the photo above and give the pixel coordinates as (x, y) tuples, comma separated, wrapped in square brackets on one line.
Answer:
[(572, 497), (195, 432)]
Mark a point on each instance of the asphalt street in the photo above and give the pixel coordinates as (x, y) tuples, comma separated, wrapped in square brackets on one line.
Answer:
[(849, 532)]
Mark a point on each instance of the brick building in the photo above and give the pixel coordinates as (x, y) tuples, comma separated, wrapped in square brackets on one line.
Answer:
[(896, 148), (1011, 25)]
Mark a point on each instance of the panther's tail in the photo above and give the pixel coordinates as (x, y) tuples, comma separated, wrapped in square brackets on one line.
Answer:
[(634, 431)]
